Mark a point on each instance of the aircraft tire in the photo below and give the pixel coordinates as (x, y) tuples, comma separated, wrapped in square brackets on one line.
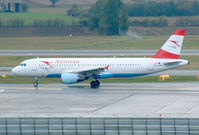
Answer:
[(35, 84), (95, 84)]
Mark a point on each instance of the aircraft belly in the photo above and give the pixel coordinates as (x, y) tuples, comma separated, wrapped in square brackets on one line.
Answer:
[(119, 75)]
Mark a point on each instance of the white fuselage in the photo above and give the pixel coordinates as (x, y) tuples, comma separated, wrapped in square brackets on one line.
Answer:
[(73, 70), (117, 67)]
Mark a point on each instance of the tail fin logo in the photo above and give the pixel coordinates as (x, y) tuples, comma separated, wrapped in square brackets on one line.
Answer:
[(172, 47), (175, 42)]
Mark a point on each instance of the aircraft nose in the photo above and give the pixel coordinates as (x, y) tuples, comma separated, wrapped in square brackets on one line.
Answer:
[(15, 70)]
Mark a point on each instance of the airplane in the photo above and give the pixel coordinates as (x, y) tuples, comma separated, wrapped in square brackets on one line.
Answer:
[(74, 70)]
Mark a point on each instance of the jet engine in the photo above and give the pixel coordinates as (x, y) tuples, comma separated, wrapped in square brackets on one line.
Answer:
[(70, 78)]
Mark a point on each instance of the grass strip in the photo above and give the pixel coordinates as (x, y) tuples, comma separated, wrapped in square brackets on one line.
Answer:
[(12, 79), (91, 43)]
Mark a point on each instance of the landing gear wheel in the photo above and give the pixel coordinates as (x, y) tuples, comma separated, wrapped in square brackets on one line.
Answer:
[(35, 84), (95, 84), (98, 83)]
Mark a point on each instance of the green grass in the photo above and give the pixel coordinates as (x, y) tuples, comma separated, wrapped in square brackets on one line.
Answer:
[(90, 43), (19, 79), (143, 79), (45, 14), (10, 61), (50, 10), (193, 60)]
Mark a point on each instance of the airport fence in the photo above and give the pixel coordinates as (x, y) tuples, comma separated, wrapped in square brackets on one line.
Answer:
[(99, 126)]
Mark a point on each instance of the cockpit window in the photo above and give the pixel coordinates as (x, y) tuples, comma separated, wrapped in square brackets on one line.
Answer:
[(23, 64)]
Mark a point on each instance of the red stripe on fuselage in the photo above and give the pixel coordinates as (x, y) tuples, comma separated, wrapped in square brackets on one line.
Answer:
[(165, 55), (48, 63)]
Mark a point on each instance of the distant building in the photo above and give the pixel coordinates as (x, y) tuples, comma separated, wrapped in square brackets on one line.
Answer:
[(11, 5)]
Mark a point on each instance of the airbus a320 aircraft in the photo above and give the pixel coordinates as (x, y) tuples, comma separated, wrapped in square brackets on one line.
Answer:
[(74, 70)]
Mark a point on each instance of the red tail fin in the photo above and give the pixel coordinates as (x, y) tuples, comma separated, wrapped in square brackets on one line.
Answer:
[(172, 47)]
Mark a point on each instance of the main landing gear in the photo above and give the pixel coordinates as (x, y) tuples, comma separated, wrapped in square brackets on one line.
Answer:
[(35, 84), (95, 84)]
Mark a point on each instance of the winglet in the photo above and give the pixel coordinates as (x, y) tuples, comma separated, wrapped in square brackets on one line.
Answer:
[(107, 67), (172, 47)]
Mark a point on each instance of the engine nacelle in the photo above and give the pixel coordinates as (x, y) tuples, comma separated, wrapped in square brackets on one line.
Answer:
[(68, 78)]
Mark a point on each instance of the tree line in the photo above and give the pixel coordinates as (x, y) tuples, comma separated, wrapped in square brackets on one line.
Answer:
[(110, 17), (180, 8), (162, 22)]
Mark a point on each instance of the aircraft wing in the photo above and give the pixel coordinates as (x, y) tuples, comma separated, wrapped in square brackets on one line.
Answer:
[(172, 63), (88, 72)]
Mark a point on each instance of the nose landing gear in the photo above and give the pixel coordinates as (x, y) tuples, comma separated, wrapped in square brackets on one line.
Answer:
[(95, 84), (35, 84)]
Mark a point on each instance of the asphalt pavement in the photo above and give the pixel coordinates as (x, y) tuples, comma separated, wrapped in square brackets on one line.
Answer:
[(110, 100)]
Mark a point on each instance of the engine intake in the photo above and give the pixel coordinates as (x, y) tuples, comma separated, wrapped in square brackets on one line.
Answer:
[(69, 78)]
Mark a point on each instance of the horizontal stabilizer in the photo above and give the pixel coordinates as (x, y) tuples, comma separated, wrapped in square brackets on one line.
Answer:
[(172, 63)]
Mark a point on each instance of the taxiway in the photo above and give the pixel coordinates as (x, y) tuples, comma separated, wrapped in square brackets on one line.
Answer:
[(110, 100)]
